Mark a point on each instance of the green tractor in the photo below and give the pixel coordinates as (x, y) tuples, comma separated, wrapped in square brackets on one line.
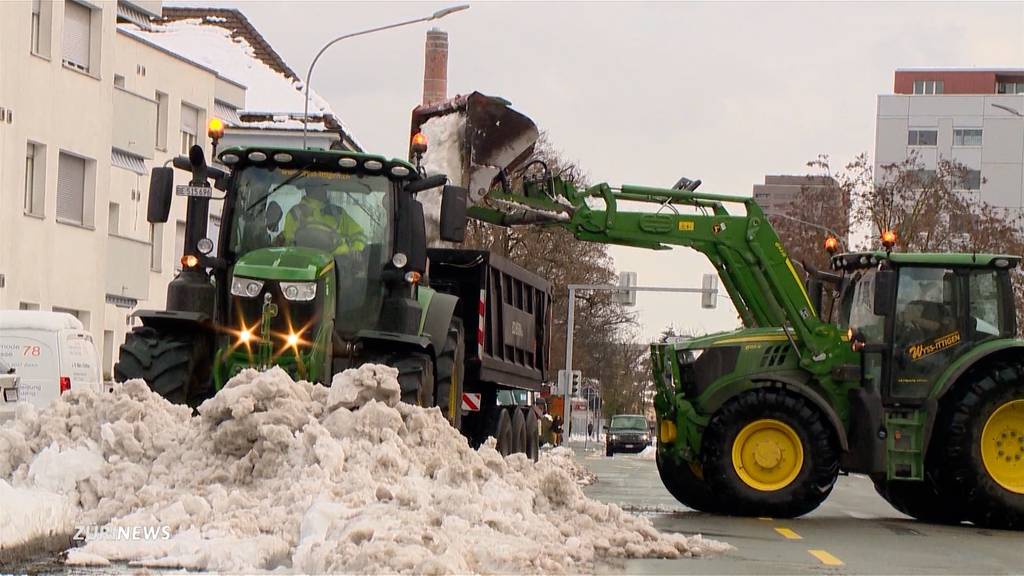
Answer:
[(321, 265), (910, 371)]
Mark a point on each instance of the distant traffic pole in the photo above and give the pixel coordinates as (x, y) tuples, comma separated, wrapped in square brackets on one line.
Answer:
[(569, 325), (309, 75)]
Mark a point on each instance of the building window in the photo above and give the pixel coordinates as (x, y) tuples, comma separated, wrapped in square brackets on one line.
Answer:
[(118, 80), (77, 35), (161, 121), (28, 306), (114, 218), (1010, 88), (967, 137), (189, 127), (156, 247), (71, 190), (925, 177), (922, 137), (35, 178), (40, 33), (971, 181), (928, 87)]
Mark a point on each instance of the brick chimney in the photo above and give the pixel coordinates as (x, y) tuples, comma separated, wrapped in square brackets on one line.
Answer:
[(435, 67)]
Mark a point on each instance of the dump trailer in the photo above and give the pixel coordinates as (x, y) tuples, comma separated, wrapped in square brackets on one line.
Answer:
[(506, 312), (915, 377), (322, 265)]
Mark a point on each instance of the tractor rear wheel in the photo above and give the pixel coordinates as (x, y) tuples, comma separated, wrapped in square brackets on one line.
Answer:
[(175, 365), (518, 431), (920, 500), (770, 452), (449, 375), (983, 451), (685, 482)]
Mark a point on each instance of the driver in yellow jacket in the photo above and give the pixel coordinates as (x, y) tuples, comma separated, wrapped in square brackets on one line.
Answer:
[(326, 223)]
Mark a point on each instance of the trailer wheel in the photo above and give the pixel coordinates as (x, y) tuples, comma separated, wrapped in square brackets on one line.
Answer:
[(920, 500), (450, 374), (685, 482), (769, 452), (503, 431), (532, 435), (518, 431), (416, 379), (983, 451), (175, 365)]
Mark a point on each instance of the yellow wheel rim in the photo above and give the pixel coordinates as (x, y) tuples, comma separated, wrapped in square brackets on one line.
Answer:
[(767, 455), (1002, 446)]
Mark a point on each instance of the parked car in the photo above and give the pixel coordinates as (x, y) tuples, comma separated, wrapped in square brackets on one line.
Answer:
[(627, 433), (49, 352)]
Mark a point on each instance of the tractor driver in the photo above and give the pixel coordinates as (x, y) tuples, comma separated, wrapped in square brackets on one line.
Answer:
[(316, 222)]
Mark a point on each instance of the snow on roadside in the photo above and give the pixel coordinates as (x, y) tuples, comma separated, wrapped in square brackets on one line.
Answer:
[(649, 453), (277, 474)]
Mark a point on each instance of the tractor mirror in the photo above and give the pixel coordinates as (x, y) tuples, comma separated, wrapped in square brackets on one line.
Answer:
[(453, 213), (161, 185), (885, 292)]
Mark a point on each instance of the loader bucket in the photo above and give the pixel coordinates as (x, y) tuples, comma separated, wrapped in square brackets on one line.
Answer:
[(476, 136)]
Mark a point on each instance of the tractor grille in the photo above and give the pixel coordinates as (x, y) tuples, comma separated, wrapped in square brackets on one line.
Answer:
[(291, 316), (775, 356)]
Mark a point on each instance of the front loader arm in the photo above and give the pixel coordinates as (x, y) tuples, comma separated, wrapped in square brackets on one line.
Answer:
[(745, 250)]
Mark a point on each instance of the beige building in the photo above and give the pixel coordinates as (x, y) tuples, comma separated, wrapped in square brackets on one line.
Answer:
[(92, 96), (777, 194)]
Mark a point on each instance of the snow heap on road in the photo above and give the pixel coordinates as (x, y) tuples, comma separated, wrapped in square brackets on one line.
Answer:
[(443, 156), (277, 474)]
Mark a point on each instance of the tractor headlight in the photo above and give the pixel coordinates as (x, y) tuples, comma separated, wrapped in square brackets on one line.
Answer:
[(299, 291), (246, 287)]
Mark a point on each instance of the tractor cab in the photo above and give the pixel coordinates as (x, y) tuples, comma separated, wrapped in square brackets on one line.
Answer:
[(913, 315)]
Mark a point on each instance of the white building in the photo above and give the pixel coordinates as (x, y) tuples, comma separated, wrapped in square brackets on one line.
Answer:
[(92, 96), (972, 116)]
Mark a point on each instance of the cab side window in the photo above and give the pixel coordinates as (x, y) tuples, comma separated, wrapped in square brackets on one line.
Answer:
[(986, 312)]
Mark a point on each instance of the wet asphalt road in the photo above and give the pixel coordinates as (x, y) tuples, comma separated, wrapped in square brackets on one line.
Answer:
[(854, 532)]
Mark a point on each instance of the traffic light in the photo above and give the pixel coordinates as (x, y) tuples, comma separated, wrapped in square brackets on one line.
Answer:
[(577, 382)]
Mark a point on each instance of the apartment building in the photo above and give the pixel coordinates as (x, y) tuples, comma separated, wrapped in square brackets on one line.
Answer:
[(972, 116), (92, 96)]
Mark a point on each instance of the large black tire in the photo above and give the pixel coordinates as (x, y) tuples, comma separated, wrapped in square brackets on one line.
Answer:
[(685, 482), (965, 412), (416, 378), (810, 485), (450, 372), (532, 435), (503, 431), (175, 365), (518, 432), (920, 500)]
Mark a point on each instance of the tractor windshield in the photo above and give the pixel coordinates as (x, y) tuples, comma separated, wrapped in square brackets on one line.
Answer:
[(629, 423)]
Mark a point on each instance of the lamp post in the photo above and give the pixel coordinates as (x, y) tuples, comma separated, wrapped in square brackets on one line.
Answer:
[(309, 75)]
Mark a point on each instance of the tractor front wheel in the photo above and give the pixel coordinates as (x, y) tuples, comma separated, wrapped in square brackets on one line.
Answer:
[(532, 435), (416, 379), (983, 451), (175, 365), (770, 452)]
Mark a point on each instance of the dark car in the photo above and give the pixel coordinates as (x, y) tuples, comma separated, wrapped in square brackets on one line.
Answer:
[(627, 433)]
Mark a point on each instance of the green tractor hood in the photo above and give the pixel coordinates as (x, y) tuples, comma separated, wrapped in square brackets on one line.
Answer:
[(736, 337), (289, 264)]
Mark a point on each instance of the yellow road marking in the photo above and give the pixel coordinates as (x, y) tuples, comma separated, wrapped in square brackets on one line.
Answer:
[(789, 534), (825, 558)]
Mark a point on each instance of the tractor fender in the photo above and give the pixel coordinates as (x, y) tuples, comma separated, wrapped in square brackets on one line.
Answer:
[(437, 317), (175, 320), (796, 383), (984, 351), (376, 342)]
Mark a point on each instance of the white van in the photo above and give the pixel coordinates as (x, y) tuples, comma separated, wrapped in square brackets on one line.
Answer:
[(50, 353)]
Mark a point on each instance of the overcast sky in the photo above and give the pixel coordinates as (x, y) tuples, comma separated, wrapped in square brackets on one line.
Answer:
[(643, 93)]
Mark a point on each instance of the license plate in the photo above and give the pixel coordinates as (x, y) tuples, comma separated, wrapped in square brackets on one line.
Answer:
[(629, 445), (194, 191)]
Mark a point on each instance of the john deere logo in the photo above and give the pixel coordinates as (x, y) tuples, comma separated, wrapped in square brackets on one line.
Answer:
[(918, 351)]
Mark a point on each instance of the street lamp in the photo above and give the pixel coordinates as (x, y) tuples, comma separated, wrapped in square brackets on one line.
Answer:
[(435, 16)]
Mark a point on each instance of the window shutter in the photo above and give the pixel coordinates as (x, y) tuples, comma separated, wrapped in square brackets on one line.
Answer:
[(189, 119), (76, 34), (70, 188)]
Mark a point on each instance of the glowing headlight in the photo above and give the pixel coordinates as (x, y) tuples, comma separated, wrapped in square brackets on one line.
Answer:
[(246, 287), (299, 291)]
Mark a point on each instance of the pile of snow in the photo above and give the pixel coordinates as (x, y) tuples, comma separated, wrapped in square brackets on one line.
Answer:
[(274, 473), (565, 459), (649, 453), (443, 156)]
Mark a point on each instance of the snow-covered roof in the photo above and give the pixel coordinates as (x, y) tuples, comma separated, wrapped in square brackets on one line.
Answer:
[(38, 320), (205, 42)]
